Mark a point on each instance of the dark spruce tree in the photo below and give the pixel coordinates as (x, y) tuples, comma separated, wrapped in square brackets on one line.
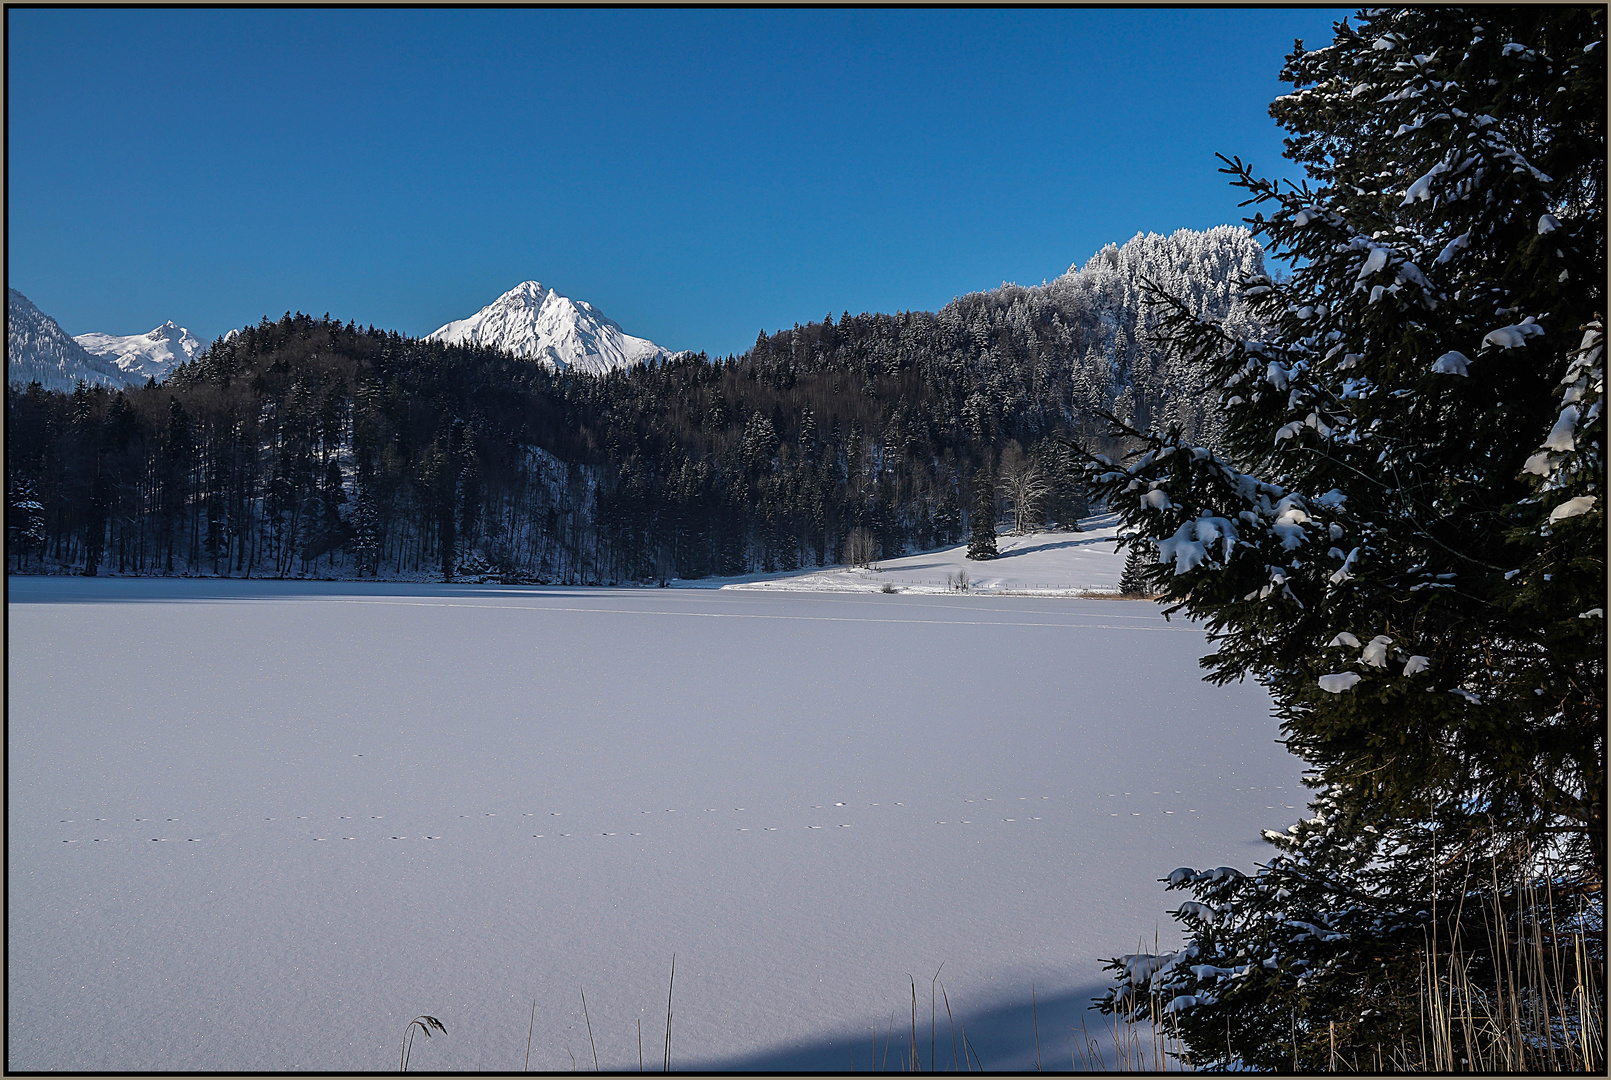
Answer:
[(25, 520), (1142, 555), (448, 468), (982, 541), (363, 541), (1403, 538), (948, 517)]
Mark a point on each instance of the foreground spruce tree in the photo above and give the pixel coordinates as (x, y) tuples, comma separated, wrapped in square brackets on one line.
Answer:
[(1404, 540)]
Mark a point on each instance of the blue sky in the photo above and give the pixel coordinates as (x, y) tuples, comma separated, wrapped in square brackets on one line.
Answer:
[(697, 175)]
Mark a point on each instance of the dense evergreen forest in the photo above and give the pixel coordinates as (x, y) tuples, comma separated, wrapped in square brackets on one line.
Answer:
[(309, 447)]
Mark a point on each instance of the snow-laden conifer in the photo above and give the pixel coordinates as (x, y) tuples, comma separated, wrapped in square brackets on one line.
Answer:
[(1403, 536)]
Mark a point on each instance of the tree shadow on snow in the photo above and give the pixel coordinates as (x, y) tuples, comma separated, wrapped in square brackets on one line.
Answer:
[(1053, 545), (1003, 1037)]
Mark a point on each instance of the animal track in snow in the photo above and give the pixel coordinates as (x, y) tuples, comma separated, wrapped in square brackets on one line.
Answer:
[(779, 812)]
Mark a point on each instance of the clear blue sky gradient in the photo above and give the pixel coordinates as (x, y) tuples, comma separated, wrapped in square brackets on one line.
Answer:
[(697, 175)]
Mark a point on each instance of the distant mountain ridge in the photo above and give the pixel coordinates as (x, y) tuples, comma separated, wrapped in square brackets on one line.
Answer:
[(553, 329), (39, 350)]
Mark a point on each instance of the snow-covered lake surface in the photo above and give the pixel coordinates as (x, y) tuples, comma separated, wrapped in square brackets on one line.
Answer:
[(262, 825)]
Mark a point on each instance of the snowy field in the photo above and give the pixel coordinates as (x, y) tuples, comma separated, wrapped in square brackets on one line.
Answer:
[(1042, 563), (261, 825)]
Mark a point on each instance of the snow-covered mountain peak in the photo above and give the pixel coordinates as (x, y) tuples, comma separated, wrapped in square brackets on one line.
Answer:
[(151, 355), (548, 327), (527, 290)]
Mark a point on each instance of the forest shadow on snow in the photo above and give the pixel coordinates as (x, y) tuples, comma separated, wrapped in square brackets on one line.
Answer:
[(76, 589)]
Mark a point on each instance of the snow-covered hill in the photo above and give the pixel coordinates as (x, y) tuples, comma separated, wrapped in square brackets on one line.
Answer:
[(142, 356), (37, 349), (552, 329)]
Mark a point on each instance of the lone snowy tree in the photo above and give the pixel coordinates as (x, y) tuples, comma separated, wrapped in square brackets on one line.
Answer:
[(982, 542), (1142, 555), (1403, 540)]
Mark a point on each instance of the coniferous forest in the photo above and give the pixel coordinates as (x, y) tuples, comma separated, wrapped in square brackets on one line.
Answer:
[(310, 447)]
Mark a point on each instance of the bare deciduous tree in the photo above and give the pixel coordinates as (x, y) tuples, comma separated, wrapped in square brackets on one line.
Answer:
[(861, 548), (1024, 484)]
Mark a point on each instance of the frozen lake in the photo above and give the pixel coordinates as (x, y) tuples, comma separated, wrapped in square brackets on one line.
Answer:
[(261, 825)]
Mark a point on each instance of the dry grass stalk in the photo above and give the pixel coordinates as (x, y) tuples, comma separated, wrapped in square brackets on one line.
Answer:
[(1540, 1010), (419, 1023), (591, 1044)]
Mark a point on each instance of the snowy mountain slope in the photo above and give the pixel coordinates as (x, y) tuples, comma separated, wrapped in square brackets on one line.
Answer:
[(39, 349), (141, 356), (552, 329)]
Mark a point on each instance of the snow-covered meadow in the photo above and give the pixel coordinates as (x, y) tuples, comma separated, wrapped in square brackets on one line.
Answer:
[(262, 825), (1085, 563)]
